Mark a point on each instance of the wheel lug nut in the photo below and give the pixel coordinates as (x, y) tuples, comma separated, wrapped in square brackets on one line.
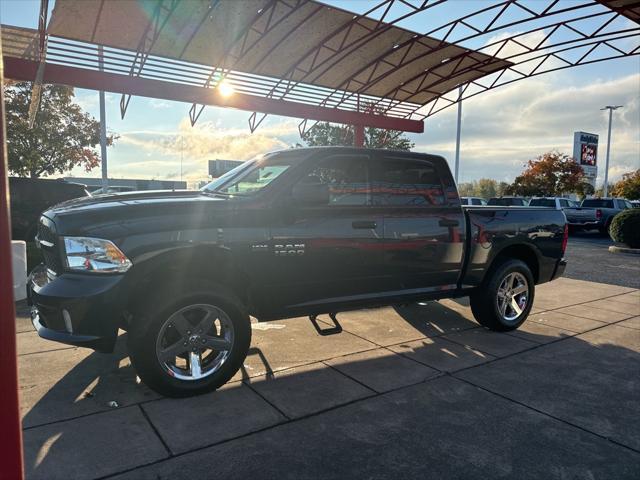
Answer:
[(204, 340)]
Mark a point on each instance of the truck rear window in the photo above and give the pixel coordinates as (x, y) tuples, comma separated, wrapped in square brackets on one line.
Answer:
[(542, 202), (597, 203), (507, 202)]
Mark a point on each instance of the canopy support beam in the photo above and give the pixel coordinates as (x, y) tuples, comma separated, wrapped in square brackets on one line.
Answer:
[(21, 69)]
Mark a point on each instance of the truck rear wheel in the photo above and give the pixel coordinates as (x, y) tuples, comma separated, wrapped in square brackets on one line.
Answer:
[(504, 300), (191, 346)]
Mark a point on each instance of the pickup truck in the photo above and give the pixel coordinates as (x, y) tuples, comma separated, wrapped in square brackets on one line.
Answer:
[(301, 232), (596, 213), (558, 203), (507, 202)]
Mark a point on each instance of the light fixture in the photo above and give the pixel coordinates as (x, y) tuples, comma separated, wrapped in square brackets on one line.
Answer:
[(225, 89)]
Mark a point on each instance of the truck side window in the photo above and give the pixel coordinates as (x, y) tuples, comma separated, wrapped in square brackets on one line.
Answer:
[(404, 182), (347, 178)]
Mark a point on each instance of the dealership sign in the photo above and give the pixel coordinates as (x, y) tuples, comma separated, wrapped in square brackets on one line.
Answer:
[(585, 151)]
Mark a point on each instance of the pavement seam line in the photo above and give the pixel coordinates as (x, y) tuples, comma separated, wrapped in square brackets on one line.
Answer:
[(604, 325), (268, 402), (156, 431), (492, 360), (282, 424), (348, 376), (547, 414)]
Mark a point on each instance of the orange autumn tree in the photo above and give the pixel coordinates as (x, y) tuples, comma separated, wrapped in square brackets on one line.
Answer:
[(551, 174)]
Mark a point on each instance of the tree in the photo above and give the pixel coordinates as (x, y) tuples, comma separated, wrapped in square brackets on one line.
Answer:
[(327, 134), (628, 187), (484, 187), (62, 137), (551, 174)]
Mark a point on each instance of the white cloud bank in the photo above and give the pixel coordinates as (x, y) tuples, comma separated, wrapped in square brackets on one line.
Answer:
[(504, 128)]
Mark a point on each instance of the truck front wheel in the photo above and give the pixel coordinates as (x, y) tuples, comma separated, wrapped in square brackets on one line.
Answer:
[(193, 345), (505, 298)]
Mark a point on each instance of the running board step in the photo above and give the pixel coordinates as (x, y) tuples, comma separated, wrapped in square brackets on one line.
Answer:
[(337, 328)]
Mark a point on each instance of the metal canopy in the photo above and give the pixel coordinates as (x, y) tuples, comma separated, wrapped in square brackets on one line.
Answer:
[(205, 32), (304, 59)]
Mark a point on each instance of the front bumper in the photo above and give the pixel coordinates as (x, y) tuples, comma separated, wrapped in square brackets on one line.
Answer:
[(76, 309)]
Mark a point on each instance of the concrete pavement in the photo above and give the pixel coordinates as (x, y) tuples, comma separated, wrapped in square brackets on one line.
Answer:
[(418, 390)]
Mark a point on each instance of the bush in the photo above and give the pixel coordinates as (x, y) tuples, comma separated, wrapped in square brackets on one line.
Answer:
[(625, 227)]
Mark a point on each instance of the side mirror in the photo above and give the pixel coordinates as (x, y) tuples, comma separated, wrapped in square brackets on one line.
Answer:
[(311, 194)]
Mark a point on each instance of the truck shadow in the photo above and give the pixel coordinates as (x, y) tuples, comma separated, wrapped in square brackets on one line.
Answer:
[(583, 375)]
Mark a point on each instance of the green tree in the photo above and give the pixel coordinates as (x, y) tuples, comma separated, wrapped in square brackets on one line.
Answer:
[(466, 189), (62, 137), (551, 174), (501, 189), (484, 188), (628, 187), (327, 134), (487, 188)]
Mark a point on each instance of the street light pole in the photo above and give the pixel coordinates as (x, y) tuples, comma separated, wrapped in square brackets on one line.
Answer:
[(457, 162), (103, 132), (611, 108)]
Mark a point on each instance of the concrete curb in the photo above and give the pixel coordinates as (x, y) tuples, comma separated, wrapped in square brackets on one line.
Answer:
[(633, 251)]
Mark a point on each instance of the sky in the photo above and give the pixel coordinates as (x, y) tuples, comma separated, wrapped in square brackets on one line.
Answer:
[(501, 129)]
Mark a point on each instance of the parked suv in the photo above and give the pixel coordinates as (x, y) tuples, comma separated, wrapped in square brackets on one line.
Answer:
[(31, 196), (298, 232)]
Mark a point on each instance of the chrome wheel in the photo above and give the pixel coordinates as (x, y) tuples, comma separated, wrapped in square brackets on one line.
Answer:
[(513, 296), (194, 342)]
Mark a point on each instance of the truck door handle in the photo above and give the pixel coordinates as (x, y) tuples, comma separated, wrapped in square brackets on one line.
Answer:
[(364, 224), (448, 223)]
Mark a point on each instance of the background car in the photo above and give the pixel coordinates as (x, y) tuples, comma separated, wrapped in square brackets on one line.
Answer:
[(508, 202), (473, 201), (31, 196)]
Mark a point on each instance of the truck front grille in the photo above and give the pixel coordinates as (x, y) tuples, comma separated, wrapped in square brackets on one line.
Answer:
[(49, 246)]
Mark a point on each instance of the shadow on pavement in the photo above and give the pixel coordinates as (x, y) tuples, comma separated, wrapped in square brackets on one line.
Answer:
[(458, 402)]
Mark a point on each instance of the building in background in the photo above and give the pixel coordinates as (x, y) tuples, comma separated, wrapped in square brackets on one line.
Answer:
[(130, 183), (219, 167)]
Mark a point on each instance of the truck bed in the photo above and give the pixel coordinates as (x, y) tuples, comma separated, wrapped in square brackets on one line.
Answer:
[(491, 230)]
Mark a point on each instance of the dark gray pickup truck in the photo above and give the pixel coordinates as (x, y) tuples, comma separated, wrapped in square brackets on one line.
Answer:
[(301, 232), (595, 213)]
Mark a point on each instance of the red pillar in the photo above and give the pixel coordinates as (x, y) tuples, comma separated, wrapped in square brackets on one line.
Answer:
[(358, 136), (11, 452)]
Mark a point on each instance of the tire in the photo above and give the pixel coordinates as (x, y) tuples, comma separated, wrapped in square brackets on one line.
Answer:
[(179, 327), (605, 230), (485, 302)]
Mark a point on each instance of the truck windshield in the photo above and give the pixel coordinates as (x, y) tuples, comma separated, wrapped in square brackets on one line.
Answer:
[(542, 202), (597, 203), (250, 177)]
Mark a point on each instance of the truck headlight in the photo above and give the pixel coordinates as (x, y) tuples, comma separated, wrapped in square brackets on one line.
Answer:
[(94, 255)]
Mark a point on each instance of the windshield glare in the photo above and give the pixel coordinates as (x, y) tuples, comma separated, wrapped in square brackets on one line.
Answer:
[(250, 177)]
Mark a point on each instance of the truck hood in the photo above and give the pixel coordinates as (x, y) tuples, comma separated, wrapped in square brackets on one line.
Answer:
[(115, 215)]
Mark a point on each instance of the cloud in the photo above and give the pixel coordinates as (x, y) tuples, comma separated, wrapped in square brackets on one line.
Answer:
[(504, 128), (190, 148)]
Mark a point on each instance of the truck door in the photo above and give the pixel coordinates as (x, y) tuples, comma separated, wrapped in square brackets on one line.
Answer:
[(328, 252), (423, 221)]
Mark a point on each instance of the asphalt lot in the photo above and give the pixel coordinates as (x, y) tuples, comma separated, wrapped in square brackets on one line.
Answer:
[(589, 259), (419, 391)]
